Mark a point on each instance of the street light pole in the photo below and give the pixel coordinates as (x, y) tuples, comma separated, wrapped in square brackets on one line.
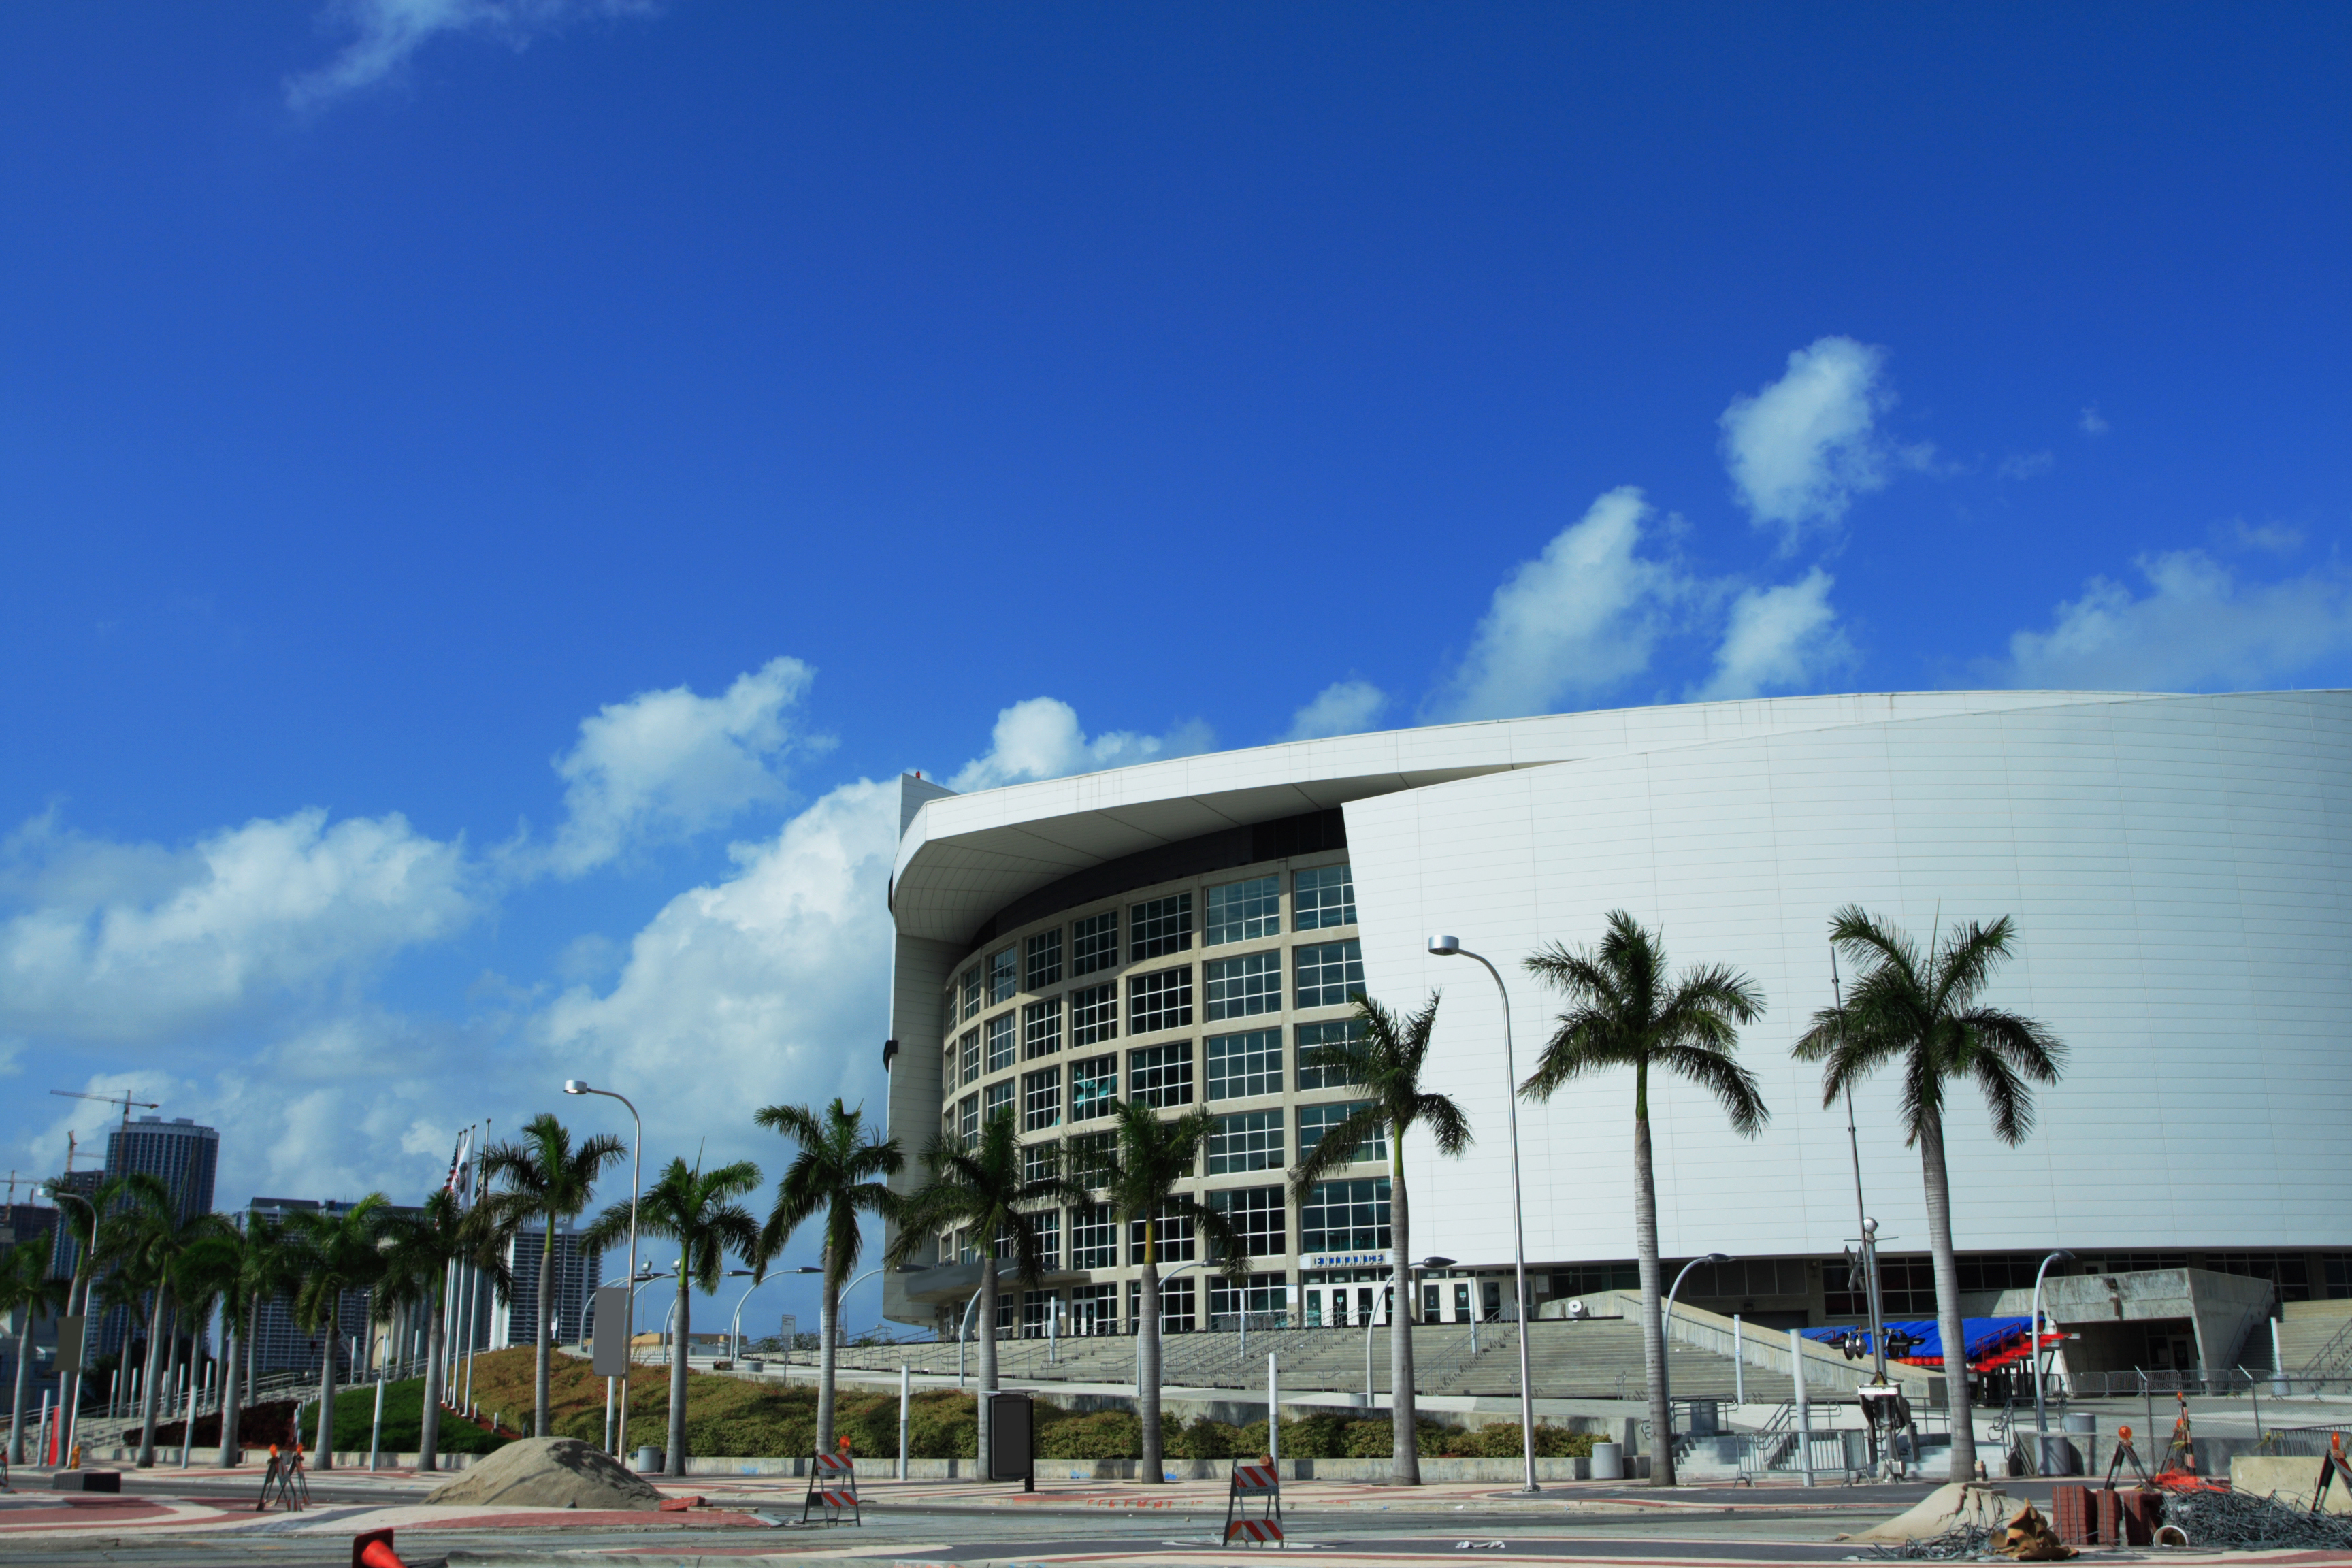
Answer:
[(72, 1413), (629, 1318), (2041, 1416), (1666, 1348), (1450, 947)]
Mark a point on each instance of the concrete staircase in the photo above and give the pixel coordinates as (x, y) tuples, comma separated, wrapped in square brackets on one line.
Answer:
[(2313, 1333)]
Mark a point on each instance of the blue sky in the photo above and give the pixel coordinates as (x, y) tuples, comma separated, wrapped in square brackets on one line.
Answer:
[(495, 489)]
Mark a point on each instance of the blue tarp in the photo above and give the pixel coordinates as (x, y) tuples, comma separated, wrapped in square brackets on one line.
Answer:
[(1984, 1336)]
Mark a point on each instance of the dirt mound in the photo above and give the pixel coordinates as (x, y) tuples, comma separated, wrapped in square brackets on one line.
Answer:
[(1948, 1508), (550, 1472)]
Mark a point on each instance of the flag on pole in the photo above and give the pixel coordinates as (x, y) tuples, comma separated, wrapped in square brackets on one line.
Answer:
[(461, 1169)]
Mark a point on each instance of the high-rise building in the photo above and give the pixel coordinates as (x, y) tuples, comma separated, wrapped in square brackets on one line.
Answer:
[(65, 1250), (576, 1276), (280, 1344), (181, 1155), (21, 1223)]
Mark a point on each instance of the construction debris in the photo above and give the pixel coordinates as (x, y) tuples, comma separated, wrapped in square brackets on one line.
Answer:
[(1950, 1507), (2029, 1539), (550, 1472), (2234, 1522)]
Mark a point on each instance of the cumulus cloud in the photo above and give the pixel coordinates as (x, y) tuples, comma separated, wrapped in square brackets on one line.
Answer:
[(668, 765), (2026, 465), (1342, 708), (136, 943), (1803, 448), (1784, 638), (383, 33), (770, 984), (2197, 627), (1579, 620), (1040, 739), (2090, 424)]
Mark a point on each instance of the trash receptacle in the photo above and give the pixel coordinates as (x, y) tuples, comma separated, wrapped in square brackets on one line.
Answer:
[(1608, 1461), (647, 1461)]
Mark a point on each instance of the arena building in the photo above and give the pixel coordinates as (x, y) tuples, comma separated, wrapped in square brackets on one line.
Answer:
[(1178, 932)]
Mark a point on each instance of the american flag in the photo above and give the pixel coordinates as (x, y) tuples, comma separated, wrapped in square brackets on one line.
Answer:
[(461, 1169)]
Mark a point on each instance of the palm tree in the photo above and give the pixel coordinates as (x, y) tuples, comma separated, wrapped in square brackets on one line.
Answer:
[(1141, 1187), (423, 1246), (1921, 1009), (78, 1215), (238, 1264), (839, 1173), (139, 1242), (336, 1252), (1625, 1010), (547, 1180), (1387, 1059), (696, 1210), (27, 1294), (986, 1193)]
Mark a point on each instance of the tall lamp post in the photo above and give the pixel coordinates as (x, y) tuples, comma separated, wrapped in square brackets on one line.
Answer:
[(1666, 1345), (71, 1404), (637, 1157), (2041, 1416), (1451, 947)]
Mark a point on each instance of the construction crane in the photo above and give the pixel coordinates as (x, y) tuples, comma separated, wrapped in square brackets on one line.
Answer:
[(123, 1099)]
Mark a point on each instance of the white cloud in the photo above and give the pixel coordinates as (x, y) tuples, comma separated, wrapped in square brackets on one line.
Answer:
[(2026, 465), (1040, 739), (2272, 537), (1800, 450), (136, 943), (2090, 424), (1780, 639), (667, 764), (1342, 708), (385, 33), (768, 985), (1578, 621), (2198, 627)]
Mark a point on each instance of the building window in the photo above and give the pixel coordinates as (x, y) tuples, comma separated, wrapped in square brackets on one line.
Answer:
[(1041, 1028), (1906, 1289), (1242, 1066), (1311, 1038), (1244, 911), (1160, 927), (1592, 1278), (1260, 1295), (1160, 1000), (1044, 967), (1094, 1236), (998, 1102), (1750, 1279), (1314, 1120), (1040, 1100), (2287, 1272), (1094, 1084), (1039, 1162), (1323, 896), (2013, 1270), (1094, 943), (1003, 975), (1249, 1141), (1161, 1074), (999, 1042), (1256, 1213), (1175, 1305), (968, 1120), (1037, 1306), (1094, 1015), (2336, 1274), (971, 1056), (1093, 1157), (1172, 1238), (1094, 1309), (1345, 1216), (948, 1065), (1047, 1225), (974, 992), (1330, 973), (1245, 986)]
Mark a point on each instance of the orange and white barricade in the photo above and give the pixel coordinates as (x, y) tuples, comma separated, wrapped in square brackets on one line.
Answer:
[(833, 1486), (1259, 1478)]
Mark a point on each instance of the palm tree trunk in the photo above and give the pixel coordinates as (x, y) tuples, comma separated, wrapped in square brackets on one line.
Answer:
[(229, 1408), (1147, 1381), (155, 1329), (1653, 1330), (1404, 1468), (325, 1459), (540, 1336), (828, 1311), (24, 1348), (1947, 1297), (677, 1357), (987, 1351), (428, 1439), (251, 1353)]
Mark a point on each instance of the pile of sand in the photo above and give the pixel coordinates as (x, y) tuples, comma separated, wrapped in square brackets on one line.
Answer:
[(1948, 1508), (550, 1472)]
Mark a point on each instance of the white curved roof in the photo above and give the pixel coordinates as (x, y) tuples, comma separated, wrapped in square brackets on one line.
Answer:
[(963, 856)]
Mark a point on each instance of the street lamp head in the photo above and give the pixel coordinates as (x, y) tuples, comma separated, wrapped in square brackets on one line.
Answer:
[(1718, 1258), (574, 1086), (1433, 1261), (1445, 946), (1870, 1227), (2062, 1256)]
